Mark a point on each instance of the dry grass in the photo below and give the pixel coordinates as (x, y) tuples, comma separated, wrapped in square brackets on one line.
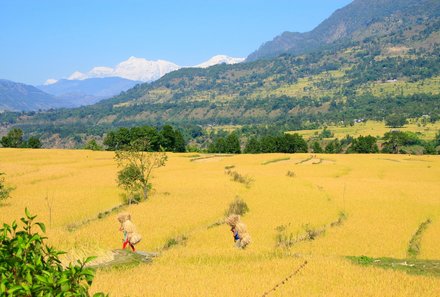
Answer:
[(385, 202)]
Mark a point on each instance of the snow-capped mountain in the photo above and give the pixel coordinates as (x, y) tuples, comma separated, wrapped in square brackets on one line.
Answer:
[(137, 69), (140, 69), (219, 59)]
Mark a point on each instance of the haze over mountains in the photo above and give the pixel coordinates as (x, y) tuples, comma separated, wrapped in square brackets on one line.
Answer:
[(25, 97), (88, 91)]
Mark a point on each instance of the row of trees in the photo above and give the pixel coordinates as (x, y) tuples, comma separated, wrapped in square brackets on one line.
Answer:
[(285, 143), (282, 143), (392, 142), (15, 139), (167, 138)]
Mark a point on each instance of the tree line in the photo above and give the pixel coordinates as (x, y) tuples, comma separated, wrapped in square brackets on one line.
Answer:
[(248, 139), (167, 138), (393, 142), (15, 139)]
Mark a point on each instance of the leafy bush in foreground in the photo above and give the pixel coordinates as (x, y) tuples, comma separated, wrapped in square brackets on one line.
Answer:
[(28, 267)]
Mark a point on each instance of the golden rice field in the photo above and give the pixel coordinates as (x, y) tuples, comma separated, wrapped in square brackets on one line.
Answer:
[(385, 197)]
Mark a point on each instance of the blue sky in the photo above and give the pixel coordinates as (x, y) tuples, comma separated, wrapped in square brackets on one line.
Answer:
[(41, 39)]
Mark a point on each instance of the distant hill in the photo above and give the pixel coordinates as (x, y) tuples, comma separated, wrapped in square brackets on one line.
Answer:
[(358, 21), (88, 88), (87, 91), (21, 97)]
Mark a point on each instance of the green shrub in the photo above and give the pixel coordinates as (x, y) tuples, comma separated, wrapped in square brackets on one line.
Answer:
[(28, 267)]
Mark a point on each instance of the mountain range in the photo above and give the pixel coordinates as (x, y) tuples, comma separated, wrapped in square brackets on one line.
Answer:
[(99, 83), (368, 60)]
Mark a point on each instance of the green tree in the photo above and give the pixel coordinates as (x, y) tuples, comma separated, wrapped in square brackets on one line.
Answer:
[(117, 140), (364, 145), (291, 143), (232, 144), (14, 138), (326, 133), (29, 267), (333, 147), (317, 148), (429, 148), (172, 140), (252, 146), (33, 142), (93, 145), (395, 121), (137, 166), (268, 144), (437, 139), (393, 142), (168, 138), (147, 135)]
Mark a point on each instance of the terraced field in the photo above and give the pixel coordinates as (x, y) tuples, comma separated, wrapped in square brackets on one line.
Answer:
[(317, 209), (376, 128)]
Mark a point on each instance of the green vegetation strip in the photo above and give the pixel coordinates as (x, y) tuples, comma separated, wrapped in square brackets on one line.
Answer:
[(74, 226), (411, 266), (415, 242), (126, 258), (305, 160), (275, 160), (208, 157)]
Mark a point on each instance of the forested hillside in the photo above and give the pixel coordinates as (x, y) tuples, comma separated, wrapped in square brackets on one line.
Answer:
[(392, 21)]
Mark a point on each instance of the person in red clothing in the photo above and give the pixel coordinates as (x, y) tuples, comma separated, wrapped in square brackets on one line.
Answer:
[(131, 237)]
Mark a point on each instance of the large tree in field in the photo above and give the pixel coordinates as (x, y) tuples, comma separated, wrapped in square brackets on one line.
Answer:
[(137, 165)]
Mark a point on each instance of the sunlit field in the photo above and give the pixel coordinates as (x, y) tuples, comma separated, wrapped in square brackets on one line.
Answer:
[(375, 128), (384, 198)]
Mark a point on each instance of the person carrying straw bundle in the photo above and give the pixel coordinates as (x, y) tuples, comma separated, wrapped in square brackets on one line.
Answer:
[(239, 231), (131, 237)]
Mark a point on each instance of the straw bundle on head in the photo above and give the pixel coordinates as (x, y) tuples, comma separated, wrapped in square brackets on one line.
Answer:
[(128, 227), (232, 220), (124, 216), (245, 238)]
